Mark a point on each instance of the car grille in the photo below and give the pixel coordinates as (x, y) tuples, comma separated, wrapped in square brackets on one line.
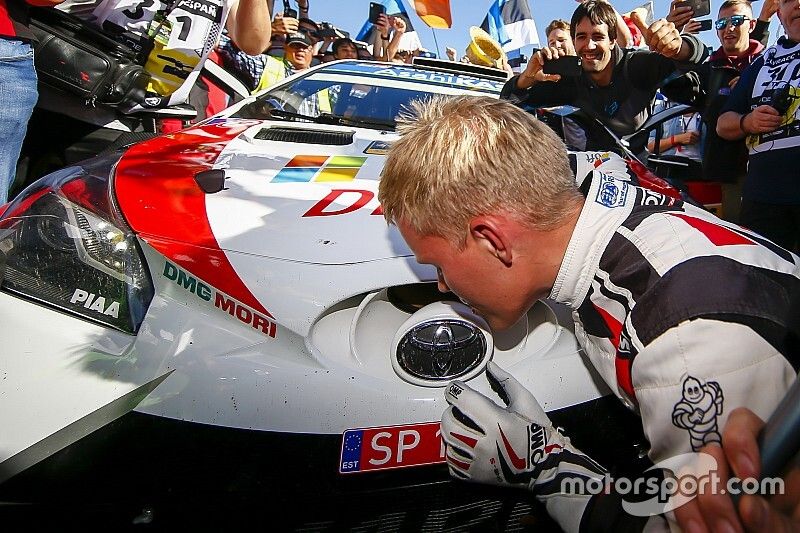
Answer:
[(306, 136)]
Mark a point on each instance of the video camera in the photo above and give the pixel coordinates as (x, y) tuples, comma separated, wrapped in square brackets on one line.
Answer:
[(781, 98)]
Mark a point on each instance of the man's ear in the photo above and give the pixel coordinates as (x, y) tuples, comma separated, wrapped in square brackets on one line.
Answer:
[(491, 232)]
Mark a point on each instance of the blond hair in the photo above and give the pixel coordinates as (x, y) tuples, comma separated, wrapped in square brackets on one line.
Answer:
[(461, 157)]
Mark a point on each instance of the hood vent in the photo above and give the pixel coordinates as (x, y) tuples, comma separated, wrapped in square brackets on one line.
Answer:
[(306, 136)]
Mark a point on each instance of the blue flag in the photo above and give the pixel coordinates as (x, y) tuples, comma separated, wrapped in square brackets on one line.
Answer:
[(511, 24)]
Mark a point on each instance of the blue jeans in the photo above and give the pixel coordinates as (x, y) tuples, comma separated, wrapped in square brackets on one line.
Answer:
[(17, 98)]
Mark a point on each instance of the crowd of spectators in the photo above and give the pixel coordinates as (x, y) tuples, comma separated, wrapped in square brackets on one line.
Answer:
[(741, 130)]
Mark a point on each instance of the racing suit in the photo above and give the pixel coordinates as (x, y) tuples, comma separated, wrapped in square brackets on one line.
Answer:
[(685, 318), (682, 314)]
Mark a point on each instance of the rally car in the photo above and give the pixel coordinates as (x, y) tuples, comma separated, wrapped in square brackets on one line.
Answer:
[(219, 322)]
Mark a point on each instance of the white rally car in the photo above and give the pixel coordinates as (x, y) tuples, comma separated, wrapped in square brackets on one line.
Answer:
[(223, 312)]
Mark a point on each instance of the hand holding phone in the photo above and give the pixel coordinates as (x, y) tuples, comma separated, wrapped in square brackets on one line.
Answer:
[(705, 25), (563, 66), (536, 71), (700, 8), (375, 10)]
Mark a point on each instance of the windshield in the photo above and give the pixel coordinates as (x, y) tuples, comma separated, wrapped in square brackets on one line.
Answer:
[(364, 99)]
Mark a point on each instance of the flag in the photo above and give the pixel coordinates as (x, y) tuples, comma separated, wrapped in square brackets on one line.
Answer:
[(434, 13), (409, 40), (510, 23)]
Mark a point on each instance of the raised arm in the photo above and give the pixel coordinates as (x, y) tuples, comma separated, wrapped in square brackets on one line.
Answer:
[(250, 25)]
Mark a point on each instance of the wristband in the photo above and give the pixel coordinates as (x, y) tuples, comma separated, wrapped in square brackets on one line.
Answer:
[(741, 123)]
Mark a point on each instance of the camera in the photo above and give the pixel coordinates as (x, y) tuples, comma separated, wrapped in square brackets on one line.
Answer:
[(326, 29), (781, 98)]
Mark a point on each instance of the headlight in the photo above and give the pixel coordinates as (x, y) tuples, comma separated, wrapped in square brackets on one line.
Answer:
[(59, 246), (441, 342)]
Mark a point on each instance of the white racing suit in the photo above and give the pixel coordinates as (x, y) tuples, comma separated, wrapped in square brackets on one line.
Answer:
[(683, 314), (685, 318)]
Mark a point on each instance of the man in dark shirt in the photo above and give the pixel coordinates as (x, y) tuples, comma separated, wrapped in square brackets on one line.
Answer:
[(617, 85)]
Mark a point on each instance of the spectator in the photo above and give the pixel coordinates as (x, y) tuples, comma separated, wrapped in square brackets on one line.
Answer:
[(681, 138), (680, 14), (624, 37), (18, 92), (616, 85), (558, 36), (312, 29), (678, 325), (363, 52), (173, 63), (297, 57), (763, 107), (726, 161), (387, 40), (249, 68), (344, 48)]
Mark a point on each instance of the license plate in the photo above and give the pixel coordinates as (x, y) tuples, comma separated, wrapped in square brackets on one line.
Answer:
[(370, 449)]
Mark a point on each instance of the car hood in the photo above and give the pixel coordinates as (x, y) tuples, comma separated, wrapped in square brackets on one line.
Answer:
[(293, 191)]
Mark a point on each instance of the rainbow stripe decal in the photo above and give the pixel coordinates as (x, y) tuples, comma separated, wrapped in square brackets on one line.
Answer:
[(308, 168)]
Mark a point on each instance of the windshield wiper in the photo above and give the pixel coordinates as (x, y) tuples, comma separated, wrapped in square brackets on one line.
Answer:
[(333, 120)]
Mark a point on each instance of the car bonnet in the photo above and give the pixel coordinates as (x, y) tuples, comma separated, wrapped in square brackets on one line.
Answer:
[(312, 201)]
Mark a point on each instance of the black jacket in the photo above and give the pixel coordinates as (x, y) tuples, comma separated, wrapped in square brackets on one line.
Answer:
[(625, 104)]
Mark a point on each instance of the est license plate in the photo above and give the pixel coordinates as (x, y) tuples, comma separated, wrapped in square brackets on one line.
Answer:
[(384, 448)]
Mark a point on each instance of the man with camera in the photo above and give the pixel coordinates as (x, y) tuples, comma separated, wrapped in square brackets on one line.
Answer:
[(617, 85), (763, 110)]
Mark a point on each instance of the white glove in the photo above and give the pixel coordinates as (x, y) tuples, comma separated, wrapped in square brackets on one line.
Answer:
[(513, 446)]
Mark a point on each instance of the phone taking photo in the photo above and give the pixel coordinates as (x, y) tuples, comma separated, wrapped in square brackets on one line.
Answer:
[(705, 25), (375, 11), (700, 8), (563, 66)]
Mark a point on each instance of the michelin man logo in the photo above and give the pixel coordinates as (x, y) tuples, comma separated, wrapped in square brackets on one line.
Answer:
[(698, 410)]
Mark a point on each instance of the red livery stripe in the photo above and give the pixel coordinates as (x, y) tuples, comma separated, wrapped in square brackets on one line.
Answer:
[(718, 235), (157, 193)]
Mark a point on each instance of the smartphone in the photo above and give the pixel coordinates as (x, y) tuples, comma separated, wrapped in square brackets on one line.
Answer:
[(701, 8), (290, 13), (564, 66), (705, 25), (376, 10)]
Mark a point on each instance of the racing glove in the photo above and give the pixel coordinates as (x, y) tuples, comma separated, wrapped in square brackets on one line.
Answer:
[(516, 446)]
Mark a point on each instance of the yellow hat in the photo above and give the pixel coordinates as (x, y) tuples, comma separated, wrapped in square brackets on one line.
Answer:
[(483, 49)]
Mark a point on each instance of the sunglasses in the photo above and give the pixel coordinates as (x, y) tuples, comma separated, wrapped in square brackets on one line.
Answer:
[(735, 20)]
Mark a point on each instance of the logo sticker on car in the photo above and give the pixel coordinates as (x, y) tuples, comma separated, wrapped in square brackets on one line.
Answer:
[(319, 168), (378, 148), (222, 302), (385, 448)]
